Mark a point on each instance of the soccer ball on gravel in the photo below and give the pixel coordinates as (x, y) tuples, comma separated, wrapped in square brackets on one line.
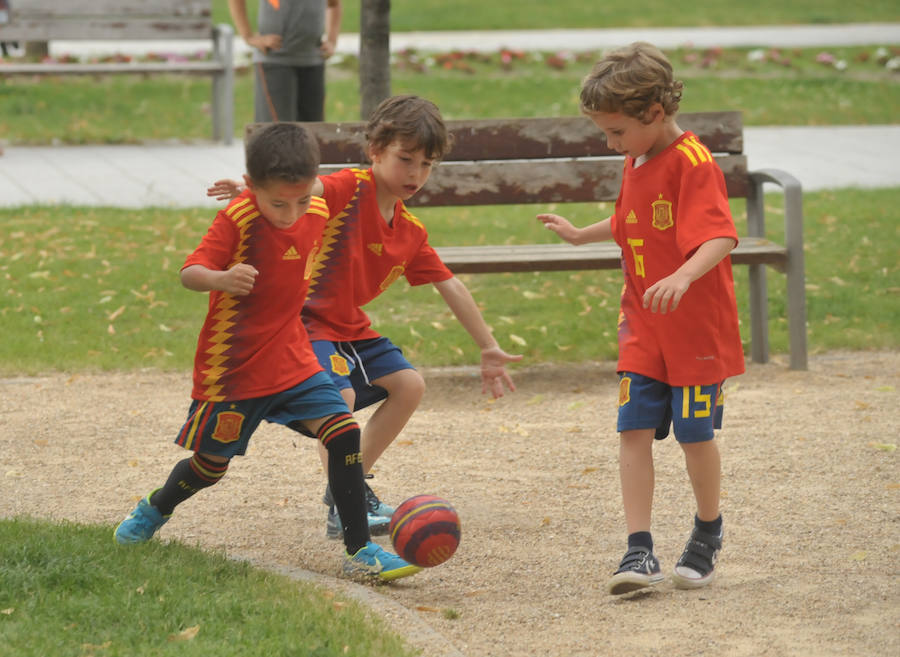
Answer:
[(425, 530)]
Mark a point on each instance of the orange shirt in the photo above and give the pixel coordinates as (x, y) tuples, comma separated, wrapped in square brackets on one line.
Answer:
[(668, 207), (255, 345), (361, 256)]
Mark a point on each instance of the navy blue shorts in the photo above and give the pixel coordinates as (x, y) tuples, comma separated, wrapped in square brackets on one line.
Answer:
[(694, 412), (357, 363), (224, 428)]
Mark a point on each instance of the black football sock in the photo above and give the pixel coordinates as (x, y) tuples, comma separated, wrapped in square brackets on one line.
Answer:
[(640, 539), (187, 477), (340, 434), (713, 527)]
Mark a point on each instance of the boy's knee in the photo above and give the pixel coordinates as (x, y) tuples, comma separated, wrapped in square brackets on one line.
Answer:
[(408, 384), (339, 431)]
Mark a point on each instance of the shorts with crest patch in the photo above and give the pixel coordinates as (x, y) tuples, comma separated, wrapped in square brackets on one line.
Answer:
[(357, 363), (693, 412), (224, 428)]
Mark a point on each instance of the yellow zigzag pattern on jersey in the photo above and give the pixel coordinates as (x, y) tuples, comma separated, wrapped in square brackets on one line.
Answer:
[(331, 232), (696, 152), (242, 214)]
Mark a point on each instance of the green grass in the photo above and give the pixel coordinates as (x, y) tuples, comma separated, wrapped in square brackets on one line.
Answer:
[(412, 15), (69, 590), (91, 288), (784, 88)]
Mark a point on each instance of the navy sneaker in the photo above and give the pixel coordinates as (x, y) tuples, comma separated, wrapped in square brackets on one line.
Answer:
[(373, 561), (141, 524), (639, 569), (696, 567)]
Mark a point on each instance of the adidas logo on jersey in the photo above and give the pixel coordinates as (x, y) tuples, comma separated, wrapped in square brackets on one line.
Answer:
[(291, 254)]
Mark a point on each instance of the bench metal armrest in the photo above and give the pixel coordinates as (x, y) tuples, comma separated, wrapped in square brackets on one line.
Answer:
[(795, 270), (223, 84)]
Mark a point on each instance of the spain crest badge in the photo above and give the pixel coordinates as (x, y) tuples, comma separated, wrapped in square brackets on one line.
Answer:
[(662, 214)]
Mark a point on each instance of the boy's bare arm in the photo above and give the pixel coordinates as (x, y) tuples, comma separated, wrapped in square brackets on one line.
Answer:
[(493, 358), (238, 280), (597, 232), (666, 293), (227, 189), (263, 42)]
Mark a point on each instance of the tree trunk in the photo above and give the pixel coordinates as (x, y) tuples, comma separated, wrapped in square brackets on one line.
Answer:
[(374, 54), (37, 49)]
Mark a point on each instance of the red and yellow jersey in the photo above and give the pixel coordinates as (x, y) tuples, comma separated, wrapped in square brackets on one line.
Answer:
[(256, 345), (361, 256), (667, 208)]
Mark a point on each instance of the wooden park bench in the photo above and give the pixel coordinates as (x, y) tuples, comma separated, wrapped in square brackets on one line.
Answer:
[(126, 20), (555, 160)]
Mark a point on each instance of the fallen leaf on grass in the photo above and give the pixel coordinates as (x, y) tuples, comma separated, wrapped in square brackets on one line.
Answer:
[(426, 608), (114, 315), (7, 612), (186, 634), (517, 339), (89, 648)]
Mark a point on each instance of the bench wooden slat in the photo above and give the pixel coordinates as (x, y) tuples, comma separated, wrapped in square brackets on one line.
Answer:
[(541, 181), (532, 138), (204, 67), (565, 257), (106, 7), (106, 28)]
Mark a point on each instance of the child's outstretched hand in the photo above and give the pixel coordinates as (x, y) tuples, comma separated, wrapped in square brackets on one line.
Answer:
[(559, 225), (224, 190), (493, 371)]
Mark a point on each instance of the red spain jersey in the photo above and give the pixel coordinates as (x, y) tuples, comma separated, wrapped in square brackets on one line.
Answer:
[(361, 256), (668, 207), (255, 345)]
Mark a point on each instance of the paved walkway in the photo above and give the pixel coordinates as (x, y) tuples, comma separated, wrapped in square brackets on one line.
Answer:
[(784, 36)]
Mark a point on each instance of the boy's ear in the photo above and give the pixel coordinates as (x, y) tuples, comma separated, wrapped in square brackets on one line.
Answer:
[(248, 182), (656, 112)]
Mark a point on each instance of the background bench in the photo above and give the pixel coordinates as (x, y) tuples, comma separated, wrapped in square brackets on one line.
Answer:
[(556, 160), (124, 20)]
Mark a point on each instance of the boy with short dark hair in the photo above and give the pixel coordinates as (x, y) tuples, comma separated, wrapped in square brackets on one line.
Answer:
[(678, 325), (254, 360)]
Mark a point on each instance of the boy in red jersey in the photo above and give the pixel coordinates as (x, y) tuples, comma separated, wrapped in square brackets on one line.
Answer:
[(678, 325), (254, 360), (370, 241)]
